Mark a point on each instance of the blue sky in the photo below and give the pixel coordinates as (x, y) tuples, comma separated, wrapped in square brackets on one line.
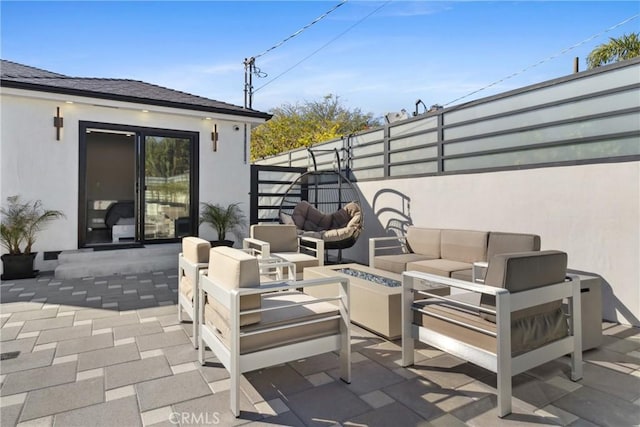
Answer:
[(403, 51)]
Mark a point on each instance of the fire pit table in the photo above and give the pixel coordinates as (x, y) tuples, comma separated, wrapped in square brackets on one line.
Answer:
[(375, 295)]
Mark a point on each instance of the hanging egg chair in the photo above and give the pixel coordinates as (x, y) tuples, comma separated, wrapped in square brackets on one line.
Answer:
[(324, 204)]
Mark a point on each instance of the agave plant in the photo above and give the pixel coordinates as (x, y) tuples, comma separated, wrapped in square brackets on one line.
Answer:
[(223, 219), (20, 223)]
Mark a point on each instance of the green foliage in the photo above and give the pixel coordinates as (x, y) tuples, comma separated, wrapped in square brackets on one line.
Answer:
[(21, 221), (223, 219), (302, 125), (166, 157), (620, 49)]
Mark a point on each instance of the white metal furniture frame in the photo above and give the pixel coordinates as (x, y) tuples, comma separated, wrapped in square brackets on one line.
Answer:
[(502, 362), (237, 363), (190, 269), (296, 251), (271, 269), (374, 248)]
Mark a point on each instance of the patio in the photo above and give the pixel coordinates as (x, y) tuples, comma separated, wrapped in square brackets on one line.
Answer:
[(109, 351)]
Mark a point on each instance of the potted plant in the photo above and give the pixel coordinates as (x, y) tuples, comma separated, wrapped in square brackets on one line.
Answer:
[(20, 223), (223, 219)]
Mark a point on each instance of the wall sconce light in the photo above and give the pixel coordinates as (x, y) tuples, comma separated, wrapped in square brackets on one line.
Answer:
[(214, 138), (57, 123)]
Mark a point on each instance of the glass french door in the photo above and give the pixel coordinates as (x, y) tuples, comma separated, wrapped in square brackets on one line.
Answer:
[(137, 185), (166, 187)]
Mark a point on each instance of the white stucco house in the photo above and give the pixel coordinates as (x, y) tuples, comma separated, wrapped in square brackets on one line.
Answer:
[(128, 162)]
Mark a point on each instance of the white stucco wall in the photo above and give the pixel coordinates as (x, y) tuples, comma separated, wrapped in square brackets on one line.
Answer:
[(592, 212), (36, 166)]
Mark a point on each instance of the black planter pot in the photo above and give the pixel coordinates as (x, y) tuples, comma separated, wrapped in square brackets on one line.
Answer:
[(215, 243), (18, 266)]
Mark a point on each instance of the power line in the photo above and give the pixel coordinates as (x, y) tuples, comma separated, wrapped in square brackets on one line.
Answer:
[(319, 18), (324, 45), (546, 59)]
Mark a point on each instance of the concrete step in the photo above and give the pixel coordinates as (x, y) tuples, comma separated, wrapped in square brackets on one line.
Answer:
[(88, 263)]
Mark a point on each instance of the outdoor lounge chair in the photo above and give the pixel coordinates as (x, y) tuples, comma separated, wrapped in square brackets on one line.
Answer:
[(193, 258), (508, 325), (250, 326), (282, 241)]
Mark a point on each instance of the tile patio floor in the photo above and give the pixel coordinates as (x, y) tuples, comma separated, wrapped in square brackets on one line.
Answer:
[(109, 352)]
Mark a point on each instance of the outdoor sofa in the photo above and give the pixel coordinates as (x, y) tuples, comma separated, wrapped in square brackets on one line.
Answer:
[(446, 252)]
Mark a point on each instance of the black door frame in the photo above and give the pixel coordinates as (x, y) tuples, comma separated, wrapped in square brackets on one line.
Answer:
[(140, 132)]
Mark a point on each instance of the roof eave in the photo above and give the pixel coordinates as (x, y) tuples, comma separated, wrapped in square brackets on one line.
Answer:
[(124, 98)]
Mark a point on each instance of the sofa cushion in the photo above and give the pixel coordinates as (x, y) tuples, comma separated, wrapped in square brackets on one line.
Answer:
[(463, 245), (521, 271), (232, 269), (440, 267), (397, 263), (424, 241), (465, 275), (502, 243), (281, 237), (279, 318)]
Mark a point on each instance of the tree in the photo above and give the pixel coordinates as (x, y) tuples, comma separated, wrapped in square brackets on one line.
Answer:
[(302, 125), (620, 49)]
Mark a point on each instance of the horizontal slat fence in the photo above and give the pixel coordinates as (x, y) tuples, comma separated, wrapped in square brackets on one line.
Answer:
[(587, 117)]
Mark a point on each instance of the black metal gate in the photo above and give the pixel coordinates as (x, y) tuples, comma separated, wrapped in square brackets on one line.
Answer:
[(268, 186)]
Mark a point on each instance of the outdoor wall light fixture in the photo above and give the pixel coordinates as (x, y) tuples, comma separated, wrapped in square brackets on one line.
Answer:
[(57, 123), (214, 138)]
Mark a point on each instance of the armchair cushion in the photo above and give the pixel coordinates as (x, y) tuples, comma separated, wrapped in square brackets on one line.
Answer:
[(196, 251), (523, 271), (281, 237), (530, 328), (299, 259), (526, 334), (235, 269), (278, 318), (501, 243)]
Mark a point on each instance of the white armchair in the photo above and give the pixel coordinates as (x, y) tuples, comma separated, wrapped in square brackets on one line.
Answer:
[(510, 324), (250, 326), (282, 241), (193, 259)]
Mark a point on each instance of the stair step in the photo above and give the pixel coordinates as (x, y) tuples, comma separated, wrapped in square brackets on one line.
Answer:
[(87, 263)]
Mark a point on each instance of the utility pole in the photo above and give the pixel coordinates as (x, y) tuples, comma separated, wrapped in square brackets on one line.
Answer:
[(249, 69)]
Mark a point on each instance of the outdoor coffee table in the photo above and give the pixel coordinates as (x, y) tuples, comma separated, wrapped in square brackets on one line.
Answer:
[(375, 295)]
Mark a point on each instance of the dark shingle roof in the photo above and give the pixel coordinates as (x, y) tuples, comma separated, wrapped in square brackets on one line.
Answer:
[(24, 77)]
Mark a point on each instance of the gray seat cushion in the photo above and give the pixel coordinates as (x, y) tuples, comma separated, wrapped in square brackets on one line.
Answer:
[(530, 327), (440, 267), (278, 318), (502, 243), (464, 245), (397, 263)]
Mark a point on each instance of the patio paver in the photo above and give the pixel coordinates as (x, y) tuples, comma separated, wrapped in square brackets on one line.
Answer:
[(96, 353)]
